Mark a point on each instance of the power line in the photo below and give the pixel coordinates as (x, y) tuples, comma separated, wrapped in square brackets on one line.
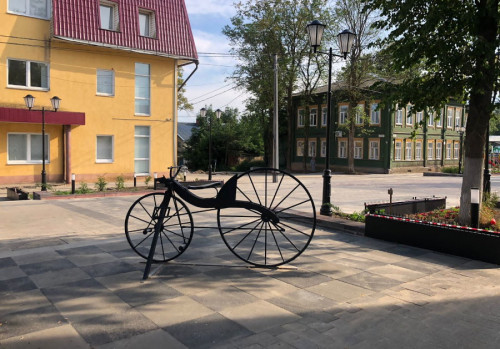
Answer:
[(217, 89)]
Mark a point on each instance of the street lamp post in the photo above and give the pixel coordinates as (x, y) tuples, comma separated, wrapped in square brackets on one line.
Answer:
[(461, 131), (345, 39), (29, 100), (203, 113), (487, 174)]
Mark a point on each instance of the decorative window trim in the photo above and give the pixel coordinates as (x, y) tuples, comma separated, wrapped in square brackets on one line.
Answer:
[(48, 6), (448, 150), (360, 148), (301, 117), (430, 150), (311, 150), (313, 116), (323, 148), (371, 142), (456, 150), (377, 113), (418, 150), (324, 115), (399, 115), (343, 113), (27, 85), (439, 121), (419, 116), (399, 156), (152, 22), (408, 150), (28, 160), (449, 117), (458, 118), (430, 120), (299, 147), (439, 149), (358, 120), (342, 145), (105, 161)]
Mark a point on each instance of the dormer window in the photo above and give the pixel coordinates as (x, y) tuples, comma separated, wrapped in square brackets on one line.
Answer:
[(147, 23), (108, 12)]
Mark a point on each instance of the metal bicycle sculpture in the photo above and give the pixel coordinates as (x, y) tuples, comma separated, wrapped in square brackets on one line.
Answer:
[(255, 217)]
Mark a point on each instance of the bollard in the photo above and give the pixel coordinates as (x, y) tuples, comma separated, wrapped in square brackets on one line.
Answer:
[(135, 180), (474, 207), (155, 175), (390, 192), (73, 178)]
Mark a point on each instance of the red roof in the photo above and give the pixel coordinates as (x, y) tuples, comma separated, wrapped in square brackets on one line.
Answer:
[(79, 20)]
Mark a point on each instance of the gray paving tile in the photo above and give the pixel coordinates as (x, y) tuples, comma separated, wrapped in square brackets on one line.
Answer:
[(156, 339), (16, 285), (300, 278), (110, 268), (47, 266), (11, 273), (54, 278), (339, 291), (305, 303), (113, 327), (63, 336), (370, 281), (90, 259), (148, 292), (18, 301), (220, 299), (30, 320), (84, 250), (75, 289), (207, 332), (7, 262), (32, 258)]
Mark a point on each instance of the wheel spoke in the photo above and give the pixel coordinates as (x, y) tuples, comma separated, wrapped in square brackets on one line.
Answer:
[(276, 241), (179, 218), (289, 207), (245, 237), (254, 189), (142, 220), (277, 189), (255, 242), (286, 225), (169, 240), (245, 195), (144, 239), (298, 185), (140, 203), (162, 249), (241, 226)]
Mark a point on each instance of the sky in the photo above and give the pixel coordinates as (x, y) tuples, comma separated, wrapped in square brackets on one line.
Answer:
[(210, 84)]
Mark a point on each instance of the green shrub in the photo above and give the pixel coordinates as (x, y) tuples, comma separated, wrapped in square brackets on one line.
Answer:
[(101, 183), (246, 165), (147, 180), (83, 189), (120, 183), (453, 169)]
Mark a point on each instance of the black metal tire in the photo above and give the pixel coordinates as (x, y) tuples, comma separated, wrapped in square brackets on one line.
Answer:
[(263, 243), (177, 229)]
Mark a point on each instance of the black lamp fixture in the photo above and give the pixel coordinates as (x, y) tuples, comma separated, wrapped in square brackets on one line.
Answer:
[(29, 100), (346, 38)]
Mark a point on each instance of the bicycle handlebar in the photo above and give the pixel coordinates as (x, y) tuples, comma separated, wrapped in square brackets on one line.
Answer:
[(179, 169)]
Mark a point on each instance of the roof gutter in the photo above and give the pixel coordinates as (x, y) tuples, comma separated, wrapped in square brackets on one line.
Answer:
[(189, 77)]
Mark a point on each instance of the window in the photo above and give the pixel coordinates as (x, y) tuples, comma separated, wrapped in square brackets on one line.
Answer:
[(343, 148), (323, 148), (358, 148), (359, 114), (28, 74), (312, 149), (105, 82), (300, 118), (448, 150), (439, 150), (449, 118), (458, 117), (374, 114), (108, 12), (343, 114), (104, 149), (439, 120), (147, 23), (312, 116), (456, 150), (430, 120), (374, 153), (142, 137), (142, 89), (31, 8), (430, 150), (323, 116), (408, 150), (418, 150), (419, 117), (300, 147), (398, 145), (399, 116), (26, 148), (409, 118)]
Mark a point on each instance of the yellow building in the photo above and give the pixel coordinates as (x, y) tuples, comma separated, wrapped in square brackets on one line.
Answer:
[(113, 64)]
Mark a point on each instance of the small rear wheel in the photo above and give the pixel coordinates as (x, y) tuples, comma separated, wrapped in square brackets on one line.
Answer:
[(176, 227), (254, 237)]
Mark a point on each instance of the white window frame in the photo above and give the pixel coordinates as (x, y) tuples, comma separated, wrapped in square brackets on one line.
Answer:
[(105, 161), (430, 150), (311, 149), (399, 116), (374, 149), (343, 110), (418, 150), (439, 121), (448, 150), (430, 120), (398, 146), (313, 113), (456, 150), (112, 82), (151, 23), (342, 150), (419, 117), (358, 120), (449, 117), (458, 117), (149, 87), (374, 114), (324, 115), (27, 2), (408, 150), (115, 25), (301, 113), (439, 150), (27, 85), (323, 148), (149, 145), (300, 147), (409, 118), (358, 148), (28, 149)]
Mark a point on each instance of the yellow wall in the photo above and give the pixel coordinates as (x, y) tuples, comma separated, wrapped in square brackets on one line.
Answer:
[(73, 78)]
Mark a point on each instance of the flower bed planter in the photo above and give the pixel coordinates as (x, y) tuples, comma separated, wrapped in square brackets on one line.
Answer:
[(467, 242)]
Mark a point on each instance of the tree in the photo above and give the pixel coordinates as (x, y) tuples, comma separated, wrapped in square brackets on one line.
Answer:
[(456, 43), (182, 101), (259, 30)]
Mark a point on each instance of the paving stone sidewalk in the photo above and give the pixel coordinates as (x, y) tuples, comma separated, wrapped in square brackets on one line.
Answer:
[(85, 291)]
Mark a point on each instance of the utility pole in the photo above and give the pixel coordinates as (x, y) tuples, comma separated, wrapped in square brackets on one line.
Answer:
[(276, 163)]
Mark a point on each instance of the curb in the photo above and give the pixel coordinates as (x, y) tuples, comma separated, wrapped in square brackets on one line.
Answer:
[(442, 174), (39, 195)]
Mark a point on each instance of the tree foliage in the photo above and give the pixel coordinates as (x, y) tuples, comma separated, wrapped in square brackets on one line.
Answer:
[(456, 43), (231, 138), (182, 101)]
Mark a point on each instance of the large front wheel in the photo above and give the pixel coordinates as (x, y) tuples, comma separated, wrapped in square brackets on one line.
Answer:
[(254, 237), (176, 228)]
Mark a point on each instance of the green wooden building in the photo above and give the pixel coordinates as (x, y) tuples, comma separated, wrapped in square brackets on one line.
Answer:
[(386, 139)]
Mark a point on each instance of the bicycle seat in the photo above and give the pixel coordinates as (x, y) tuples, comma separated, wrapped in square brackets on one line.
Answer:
[(205, 186)]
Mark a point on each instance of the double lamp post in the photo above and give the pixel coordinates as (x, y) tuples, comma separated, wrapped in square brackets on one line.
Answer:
[(203, 114), (29, 100), (345, 40)]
